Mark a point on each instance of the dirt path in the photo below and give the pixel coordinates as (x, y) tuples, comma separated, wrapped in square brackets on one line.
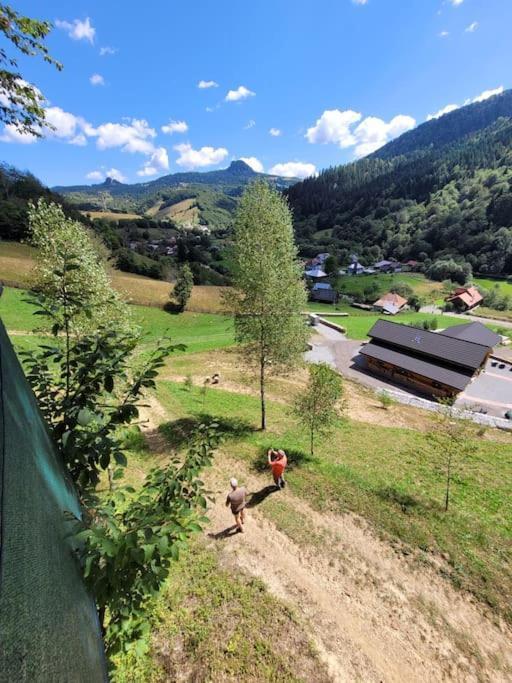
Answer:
[(374, 613)]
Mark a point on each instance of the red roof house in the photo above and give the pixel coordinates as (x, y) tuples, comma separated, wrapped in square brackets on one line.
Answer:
[(465, 298)]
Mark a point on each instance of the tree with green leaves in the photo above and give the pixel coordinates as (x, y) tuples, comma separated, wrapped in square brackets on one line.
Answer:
[(90, 380), (22, 104), (450, 445), (268, 292), (317, 408), (183, 287)]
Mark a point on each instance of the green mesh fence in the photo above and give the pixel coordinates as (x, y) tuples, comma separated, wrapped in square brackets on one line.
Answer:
[(49, 630)]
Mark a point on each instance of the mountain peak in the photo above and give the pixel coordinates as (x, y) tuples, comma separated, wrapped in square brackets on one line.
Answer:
[(239, 167), (111, 181)]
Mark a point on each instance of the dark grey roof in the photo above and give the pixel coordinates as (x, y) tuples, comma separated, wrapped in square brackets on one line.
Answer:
[(328, 295), (437, 373), (474, 332), (432, 344)]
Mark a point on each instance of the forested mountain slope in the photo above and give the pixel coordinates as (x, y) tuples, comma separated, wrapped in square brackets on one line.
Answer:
[(442, 190)]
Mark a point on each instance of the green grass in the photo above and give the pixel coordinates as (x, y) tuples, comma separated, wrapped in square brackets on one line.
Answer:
[(213, 625), (359, 322), (16, 313), (198, 331), (419, 283), (504, 286), (389, 476)]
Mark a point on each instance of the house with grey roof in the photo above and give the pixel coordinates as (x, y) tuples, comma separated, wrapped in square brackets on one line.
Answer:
[(439, 364)]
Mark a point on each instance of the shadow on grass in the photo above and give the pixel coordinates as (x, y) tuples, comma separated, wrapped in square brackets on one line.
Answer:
[(405, 501), (178, 432), (295, 459), (259, 496), (174, 309)]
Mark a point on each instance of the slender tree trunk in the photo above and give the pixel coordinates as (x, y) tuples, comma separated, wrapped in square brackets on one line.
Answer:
[(448, 482), (312, 439), (262, 394)]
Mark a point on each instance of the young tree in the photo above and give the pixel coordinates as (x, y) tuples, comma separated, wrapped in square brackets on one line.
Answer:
[(183, 287), (22, 104), (268, 292), (71, 271), (89, 381), (450, 445), (317, 407)]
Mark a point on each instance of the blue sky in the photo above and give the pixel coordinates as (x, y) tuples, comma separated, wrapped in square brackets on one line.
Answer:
[(334, 79)]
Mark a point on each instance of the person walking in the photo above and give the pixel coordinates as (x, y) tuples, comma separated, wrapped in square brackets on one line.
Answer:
[(237, 498), (277, 461)]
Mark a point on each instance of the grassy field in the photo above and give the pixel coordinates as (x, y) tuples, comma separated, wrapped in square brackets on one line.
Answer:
[(389, 476), (17, 261), (221, 627), (503, 286), (111, 215), (428, 289), (198, 331), (359, 322)]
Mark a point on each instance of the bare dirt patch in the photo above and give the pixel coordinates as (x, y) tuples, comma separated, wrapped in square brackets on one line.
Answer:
[(376, 612)]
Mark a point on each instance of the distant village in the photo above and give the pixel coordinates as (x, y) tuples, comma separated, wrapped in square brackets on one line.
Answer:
[(322, 291)]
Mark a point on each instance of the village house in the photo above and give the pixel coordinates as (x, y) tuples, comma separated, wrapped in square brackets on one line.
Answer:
[(390, 303), (315, 273), (387, 266), (465, 298), (323, 291), (439, 364)]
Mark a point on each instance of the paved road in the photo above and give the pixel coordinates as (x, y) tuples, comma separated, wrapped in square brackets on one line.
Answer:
[(490, 392)]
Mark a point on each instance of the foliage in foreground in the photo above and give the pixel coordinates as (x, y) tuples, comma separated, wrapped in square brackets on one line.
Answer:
[(89, 382), (22, 106), (129, 540)]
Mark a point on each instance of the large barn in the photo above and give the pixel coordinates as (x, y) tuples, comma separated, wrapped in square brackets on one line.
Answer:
[(439, 364)]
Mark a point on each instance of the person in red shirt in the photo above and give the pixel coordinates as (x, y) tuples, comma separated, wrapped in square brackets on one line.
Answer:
[(277, 461)]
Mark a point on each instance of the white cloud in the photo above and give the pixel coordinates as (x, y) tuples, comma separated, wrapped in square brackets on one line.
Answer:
[(78, 30), (108, 51), (159, 161), (175, 127), (472, 27), (275, 132), (198, 158), (444, 34), (250, 124), (11, 134), (443, 111), (485, 95), (241, 93), (130, 137), (456, 3), (294, 169), (359, 2), (97, 79), (95, 175), (334, 127), (488, 93), (254, 163), (373, 132), (207, 84), (115, 175)]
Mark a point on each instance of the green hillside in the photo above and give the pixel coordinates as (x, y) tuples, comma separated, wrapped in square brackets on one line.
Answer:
[(440, 191), (214, 194)]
